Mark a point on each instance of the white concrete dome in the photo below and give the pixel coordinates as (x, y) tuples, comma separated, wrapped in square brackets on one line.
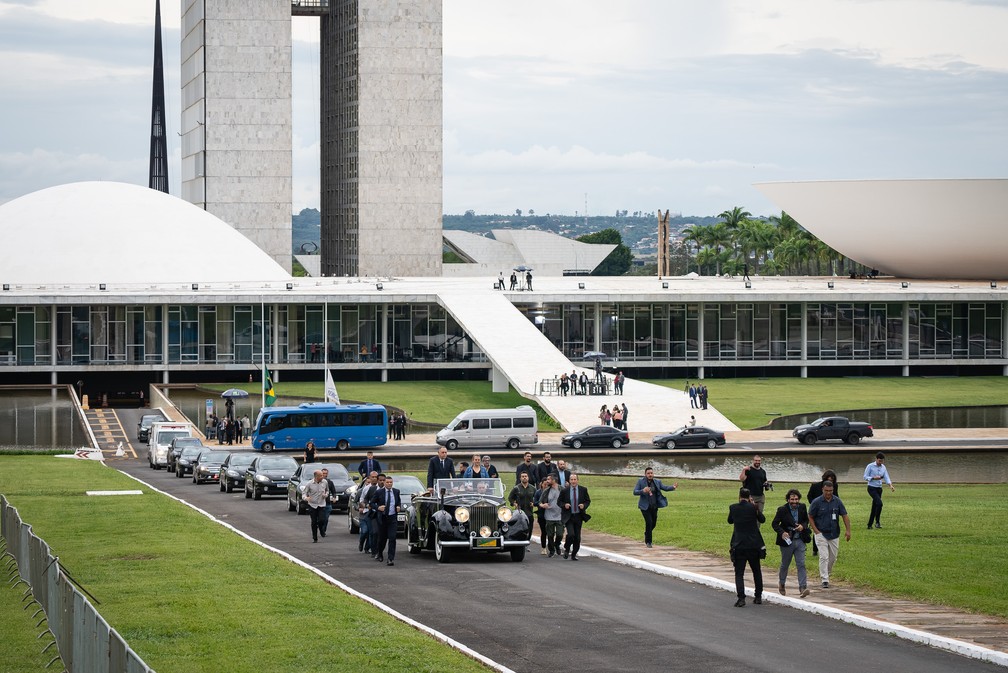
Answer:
[(111, 232), (911, 228)]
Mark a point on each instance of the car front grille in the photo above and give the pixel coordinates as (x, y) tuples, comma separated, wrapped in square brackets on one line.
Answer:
[(483, 515)]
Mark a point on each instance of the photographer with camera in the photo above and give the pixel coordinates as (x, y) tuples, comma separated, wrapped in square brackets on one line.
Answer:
[(791, 523), (747, 545), (754, 478)]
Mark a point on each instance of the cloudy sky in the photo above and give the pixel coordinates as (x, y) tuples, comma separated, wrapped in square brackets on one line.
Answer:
[(638, 105)]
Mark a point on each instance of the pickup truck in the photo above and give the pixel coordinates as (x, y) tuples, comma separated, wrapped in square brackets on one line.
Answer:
[(832, 427)]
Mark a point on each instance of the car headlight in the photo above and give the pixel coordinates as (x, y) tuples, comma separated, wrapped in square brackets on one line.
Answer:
[(262, 478), (204, 470), (504, 513), (485, 531), (462, 514), (233, 473)]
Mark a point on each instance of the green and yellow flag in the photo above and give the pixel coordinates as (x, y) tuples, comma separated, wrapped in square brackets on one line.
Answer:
[(268, 392)]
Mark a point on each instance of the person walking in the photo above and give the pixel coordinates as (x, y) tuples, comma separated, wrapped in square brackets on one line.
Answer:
[(746, 545), (552, 516), (316, 494), (825, 513), (386, 503), (650, 500), (367, 540), (815, 490), (526, 467), (693, 397), (522, 496), (331, 497), (791, 523), (500, 281), (309, 452), (540, 515), (754, 477), (875, 474), (246, 427), (574, 501), (368, 465), (626, 428)]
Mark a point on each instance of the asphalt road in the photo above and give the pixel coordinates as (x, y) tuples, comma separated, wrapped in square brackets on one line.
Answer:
[(586, 616)]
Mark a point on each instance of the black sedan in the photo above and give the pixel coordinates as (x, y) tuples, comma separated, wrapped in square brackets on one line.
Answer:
[(596, 435), (268, 475), (176, 446), (232, 470), (208, 464), (338, 475), (408, 486), (184, 463), (144, 425), (698, 436)]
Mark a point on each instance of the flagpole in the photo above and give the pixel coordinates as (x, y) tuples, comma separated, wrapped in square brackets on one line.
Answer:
[(262, 353)]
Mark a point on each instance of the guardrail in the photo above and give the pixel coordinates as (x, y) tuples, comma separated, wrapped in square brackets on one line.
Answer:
[(84, 641)]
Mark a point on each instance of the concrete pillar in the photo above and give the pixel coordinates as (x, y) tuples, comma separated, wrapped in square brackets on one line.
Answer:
[(383, 344), (804, 372), (164, 343), (906, 338), (804, 339), (597, 337), (500, 382), (275, 336), (1004, 335), (700, 338)]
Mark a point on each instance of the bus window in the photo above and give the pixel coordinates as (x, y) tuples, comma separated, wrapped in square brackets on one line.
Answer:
[(462, 425), (481, 423), (500, 422), (274, 423)]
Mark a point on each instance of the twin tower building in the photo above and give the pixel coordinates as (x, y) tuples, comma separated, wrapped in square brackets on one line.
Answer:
[(380, 127)]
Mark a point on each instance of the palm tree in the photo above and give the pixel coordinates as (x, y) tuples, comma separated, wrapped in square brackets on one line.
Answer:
[(694, 236), (734, 217)]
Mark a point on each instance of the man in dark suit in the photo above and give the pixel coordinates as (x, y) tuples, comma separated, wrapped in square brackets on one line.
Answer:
[(792, 526), (368, 465), (368, 539), (545, 467), (440, 467), (385, 504), (574, 500), (562, 473), (746, 545)]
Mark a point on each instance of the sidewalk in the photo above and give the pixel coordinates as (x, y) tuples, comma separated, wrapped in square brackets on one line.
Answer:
[(981, 630)]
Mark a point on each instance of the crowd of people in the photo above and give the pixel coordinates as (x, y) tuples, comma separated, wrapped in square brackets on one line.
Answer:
[(697, 395), (397, 426), (228, 430)]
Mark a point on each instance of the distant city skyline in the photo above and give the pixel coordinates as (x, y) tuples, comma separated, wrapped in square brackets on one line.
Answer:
[(641, 105)]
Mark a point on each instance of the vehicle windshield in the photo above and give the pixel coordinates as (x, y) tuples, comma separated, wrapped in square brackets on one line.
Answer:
[(183, 442), (213, 456), (488, 487), (240, 460), (456, 424), (407, 485), (147, 421), (817, 422), (167, 437), (584, 430), (191, 452), (278, 463), (336, 471)]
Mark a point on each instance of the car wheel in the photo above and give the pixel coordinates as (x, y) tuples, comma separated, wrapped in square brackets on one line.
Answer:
[(302, 508), (342, 445), (441, 552), (513, 444), (351, 526), (711, 443), (412, 537), (809, 439), (248, 494), (221, 485), (194, 479), (451, 445), (178, 473), (290, 506), (267, 446), (670, 444), (256, 493), (853, 438), (576, 444), (518, 554), (228, 486), (617, 443)]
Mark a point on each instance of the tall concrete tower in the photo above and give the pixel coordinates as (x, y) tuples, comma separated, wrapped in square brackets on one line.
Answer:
[(157, 174), (381, 121)]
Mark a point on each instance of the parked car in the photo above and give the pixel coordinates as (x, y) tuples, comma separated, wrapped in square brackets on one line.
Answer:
[(468, 514), (268, 475), (408, 486), (184, 463), (338, 475), (144, 425), (596, 435), (208, 464), (159, 440), (176, 446), (692, 436), (832, 427), (232, 470)]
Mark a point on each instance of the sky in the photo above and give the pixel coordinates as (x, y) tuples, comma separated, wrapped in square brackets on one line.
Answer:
[(553, 106)]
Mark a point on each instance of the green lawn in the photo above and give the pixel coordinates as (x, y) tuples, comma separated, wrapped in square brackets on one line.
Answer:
[(158, 569), (751, 403), (940, 544), (21, 651)]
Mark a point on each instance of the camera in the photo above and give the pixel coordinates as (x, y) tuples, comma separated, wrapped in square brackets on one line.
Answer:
[(767, 486)]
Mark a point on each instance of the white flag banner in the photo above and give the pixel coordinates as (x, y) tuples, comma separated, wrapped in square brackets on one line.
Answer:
[(330, 389)]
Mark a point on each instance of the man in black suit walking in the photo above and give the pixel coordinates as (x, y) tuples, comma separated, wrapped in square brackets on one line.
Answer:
[(386, 503), (574, 500), (368, 465), (440, 467), (746, 545), (793, 533)]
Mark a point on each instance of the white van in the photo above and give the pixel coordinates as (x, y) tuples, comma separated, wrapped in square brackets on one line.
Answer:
[(160, 438), (491, 427)]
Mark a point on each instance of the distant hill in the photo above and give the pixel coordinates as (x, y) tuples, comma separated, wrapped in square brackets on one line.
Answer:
[(639, 230)]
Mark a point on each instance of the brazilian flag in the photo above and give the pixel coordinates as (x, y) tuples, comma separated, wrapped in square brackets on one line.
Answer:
[(268, 387)]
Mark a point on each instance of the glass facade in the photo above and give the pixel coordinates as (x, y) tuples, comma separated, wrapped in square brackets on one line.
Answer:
[(643, 333)]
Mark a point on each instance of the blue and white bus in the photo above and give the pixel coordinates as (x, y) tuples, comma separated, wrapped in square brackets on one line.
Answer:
[(329, 425)]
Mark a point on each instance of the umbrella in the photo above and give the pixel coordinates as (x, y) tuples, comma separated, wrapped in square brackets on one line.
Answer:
[(234, 392), (522, 267), (591, 355)]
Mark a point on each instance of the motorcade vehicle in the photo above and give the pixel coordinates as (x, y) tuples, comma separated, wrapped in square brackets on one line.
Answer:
[(184, 463), (232, 470), (176, 446), (491, 427), (832, 427), (208, 464), (338, 475), (696, 436), (160, 438), (596, 435), (466, 514), (268, 475), (144, 425), (329, 425), (408, 486)]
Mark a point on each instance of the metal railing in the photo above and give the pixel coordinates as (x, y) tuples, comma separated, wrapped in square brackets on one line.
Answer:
[(85, 643)]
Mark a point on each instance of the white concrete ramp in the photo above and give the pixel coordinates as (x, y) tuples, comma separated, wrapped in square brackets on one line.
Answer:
[(522, 355)]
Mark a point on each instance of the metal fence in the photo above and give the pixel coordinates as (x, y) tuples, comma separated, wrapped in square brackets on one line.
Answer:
[(83, 640)]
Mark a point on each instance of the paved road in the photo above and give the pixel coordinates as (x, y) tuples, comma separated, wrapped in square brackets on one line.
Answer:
[(586, 616)]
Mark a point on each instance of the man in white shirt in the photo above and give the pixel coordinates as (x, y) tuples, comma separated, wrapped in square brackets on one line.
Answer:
[(316, 495), (876, 474)]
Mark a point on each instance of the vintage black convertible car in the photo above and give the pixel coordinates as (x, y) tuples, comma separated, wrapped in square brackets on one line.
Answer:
[(468, 514)]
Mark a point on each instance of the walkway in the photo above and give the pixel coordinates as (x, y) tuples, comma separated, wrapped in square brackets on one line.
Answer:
[(523, 356)]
